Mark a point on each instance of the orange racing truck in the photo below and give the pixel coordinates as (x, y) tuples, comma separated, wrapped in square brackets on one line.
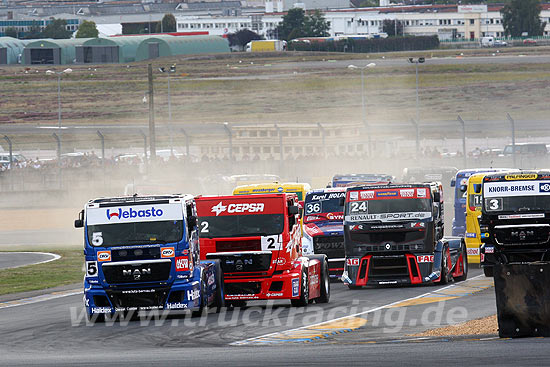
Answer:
[(257, 240)]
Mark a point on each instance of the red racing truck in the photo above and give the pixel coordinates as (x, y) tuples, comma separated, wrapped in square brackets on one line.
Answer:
[(257, 239)]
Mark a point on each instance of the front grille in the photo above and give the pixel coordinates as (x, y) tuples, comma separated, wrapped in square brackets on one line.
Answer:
[(242, 288), (141, 298), (388, 266), (137, 271), (522, 235), (394, 247), (142, 253), (238, 246), (246, 262), (336, 266), (332, 246), (374, 238)]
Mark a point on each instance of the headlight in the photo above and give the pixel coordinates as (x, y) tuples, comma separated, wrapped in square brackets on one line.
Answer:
[(307, 244)]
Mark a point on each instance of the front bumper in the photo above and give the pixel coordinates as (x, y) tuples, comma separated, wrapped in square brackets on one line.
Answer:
[(388, 270), (280, 286), (178, 296)]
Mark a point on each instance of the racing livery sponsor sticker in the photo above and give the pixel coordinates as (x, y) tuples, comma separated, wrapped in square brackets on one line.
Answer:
[(134, 213), (473, 251), (489, 250), (521, 176), (471, 234), (104, 256), (387, 217), (366, 194), (506, 189), (521, 216), (182, 263), (295, 287), (352, 262), (166, 252), (425, 258)]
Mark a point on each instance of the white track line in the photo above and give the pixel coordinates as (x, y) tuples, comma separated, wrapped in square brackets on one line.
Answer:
[(42, 298), (246, 341), (54, 257)]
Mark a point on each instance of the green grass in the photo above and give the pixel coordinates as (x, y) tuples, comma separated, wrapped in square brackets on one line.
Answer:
[(66, 270)]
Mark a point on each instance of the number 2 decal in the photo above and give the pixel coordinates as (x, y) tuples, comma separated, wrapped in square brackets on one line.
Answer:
[(271, 243), (204, 228)]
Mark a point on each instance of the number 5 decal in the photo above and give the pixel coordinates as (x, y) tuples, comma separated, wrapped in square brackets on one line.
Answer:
[(271, 243), (91, 268)]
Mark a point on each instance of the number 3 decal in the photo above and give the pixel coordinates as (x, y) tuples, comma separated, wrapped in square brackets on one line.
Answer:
[(494, 204)]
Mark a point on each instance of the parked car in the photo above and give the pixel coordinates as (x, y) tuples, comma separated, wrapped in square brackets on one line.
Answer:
[(529, 41), (500, 43)]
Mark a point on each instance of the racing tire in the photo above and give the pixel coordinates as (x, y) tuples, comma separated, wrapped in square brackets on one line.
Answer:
[(464, 266), (203, 308), (488, 271), (324, 283), (444, 279), (219, 301), (304, 291)]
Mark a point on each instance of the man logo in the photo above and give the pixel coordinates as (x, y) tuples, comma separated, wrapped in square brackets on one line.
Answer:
[(388, 246), (544, 187)]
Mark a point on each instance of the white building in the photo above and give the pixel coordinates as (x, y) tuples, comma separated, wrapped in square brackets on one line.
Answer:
[(447, 21)]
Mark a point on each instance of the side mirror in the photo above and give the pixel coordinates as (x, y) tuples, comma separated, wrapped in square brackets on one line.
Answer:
[(437, 197), (477, 188), (192, 222), (342, 201), (293, 210), (453, 182), (79, 223)]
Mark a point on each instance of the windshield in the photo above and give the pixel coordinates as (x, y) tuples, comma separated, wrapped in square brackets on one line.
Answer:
[(390, 206), (323, 203), (135, 233), (241, 225)]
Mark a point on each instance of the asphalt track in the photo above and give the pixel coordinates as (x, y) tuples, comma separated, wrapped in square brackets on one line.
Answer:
[(370, 324), (17, 259)]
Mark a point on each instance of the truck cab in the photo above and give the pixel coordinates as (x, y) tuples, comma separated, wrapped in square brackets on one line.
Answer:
[(515, 218), (142, 254), (257, 240), (323, 227), (393, 235)]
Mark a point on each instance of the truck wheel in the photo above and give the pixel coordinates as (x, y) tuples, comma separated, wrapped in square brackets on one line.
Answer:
[(219, 302), (488, 271), (464, 266), (304, 291), (324, 281)]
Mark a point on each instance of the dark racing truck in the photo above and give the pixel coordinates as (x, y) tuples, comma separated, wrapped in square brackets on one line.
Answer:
[(142, 254), (257, 239), (323, 227), (393, 234), (515, 218)]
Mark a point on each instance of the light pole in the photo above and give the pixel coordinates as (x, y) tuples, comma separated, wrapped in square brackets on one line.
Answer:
[(59, 73), (171, 70), (417, 61), (363, 106)]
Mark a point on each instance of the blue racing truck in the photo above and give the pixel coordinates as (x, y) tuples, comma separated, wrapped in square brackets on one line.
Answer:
[(460, 184), (142, 254)]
